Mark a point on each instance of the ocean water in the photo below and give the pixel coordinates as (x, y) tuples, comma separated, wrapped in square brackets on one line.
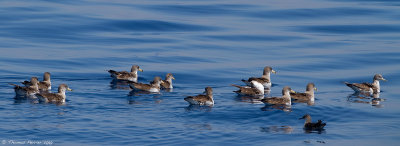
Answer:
[(203, 43)]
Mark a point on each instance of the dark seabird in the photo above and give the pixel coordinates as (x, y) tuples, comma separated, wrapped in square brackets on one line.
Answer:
[(29, 91), (201, 99), (306, 96), (265, 79), (373, 87), (309, 126), (255, 89), (126, 76), (167, 83), (58, 97), (154, 85), (44, 85), (284, 100)]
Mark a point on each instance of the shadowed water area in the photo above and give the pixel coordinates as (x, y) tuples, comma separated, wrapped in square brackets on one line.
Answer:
[(203, 43)]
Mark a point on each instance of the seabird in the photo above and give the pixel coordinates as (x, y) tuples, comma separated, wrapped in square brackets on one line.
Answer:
[(284, 100), (126, 76), (154, 85), (167, 83), (255, 89), (373, 87), (306, 96), (44, 85), (29, 91), (309, 126), (265, 79), (58, 97), (201, 99)]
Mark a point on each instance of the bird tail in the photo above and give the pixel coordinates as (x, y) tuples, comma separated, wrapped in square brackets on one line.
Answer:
[(235, 85), (13, 84), (348, 84), (111, 71)]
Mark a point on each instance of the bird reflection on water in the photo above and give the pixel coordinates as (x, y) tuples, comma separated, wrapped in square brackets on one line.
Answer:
[(366, 98)]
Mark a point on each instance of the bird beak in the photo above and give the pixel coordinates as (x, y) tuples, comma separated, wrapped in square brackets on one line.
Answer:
[(301, 118), (69, 89), (315, 89), (162, 82), (173, 78), (384, 80), (292, 91), (273, 71), (141, 70)]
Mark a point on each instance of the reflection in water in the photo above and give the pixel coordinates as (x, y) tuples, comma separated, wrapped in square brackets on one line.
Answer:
[(277, 129), (18, 100), (318, 131), (134, 99), (193, 107), (249, 99), (309, 102), (119, 84), (286, 108), (366, 98), (199, 126)]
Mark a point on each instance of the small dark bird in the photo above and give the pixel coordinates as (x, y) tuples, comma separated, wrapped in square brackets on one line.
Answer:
[(308, 125)]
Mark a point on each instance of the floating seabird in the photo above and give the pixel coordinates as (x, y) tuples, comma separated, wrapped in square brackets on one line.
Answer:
[(255, 89), (29, 91), (44, 85), (126, 76), (167, 83), (201, 99), (284, 100), (309, 126), (154, 85), (265, 79), (306, 96), (373, 87), (58, 97)]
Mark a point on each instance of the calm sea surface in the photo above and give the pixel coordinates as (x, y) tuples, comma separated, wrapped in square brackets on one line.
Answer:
[(203, 43)]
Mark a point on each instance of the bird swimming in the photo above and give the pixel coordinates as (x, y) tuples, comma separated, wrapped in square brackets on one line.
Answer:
[(126, 76), (27, 92), (373, 87), (256, 88), (284, 100), (306, 96), (58, 97), (44, 86), (154, 85), (309, 126), (167, 83), (265, 79), (201, 99)]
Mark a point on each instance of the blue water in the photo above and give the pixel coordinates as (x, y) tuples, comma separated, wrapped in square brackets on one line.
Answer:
[(203, 43)]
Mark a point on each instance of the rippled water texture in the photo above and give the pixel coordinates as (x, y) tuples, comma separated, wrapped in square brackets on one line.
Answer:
[(203, 43)]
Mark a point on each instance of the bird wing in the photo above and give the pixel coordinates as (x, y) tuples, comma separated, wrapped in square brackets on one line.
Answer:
[(165, 84), (141, 86), (275, 100), (300, 96)]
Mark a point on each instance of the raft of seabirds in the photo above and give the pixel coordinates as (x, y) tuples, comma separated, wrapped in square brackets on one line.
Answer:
[(256, 87)]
